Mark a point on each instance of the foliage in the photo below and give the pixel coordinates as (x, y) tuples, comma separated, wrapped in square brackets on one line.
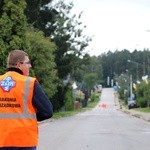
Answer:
[(13, 26), (142, 102), (40, 50), (146, 109), (90, 72), (93, 96), (91, 104), (117, 63), (59, 97), (69, 39), (68, 54), (93, 72), (66, 32), (96, 67), (90, 79), (143, 94), (123, 83), (81, 69), (69, 100), (55, 21), (80, 95), (14, 35), (41, 16)]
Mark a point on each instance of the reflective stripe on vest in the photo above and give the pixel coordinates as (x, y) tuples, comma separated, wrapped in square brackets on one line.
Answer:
[(25, 113)]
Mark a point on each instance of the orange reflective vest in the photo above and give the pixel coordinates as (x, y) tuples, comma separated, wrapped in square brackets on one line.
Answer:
[(18, 124)]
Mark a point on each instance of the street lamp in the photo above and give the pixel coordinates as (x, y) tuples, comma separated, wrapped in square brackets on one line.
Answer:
[(130, 84), (137, 66)]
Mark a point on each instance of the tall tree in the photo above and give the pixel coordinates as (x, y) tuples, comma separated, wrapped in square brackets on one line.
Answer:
[(40, 15), (117, 63), (90, 72), (70, 41), (57, 24), (55, 21), (41, 51), (70, 44), (13, 26)]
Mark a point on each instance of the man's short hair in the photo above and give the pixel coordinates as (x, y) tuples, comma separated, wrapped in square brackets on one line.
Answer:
[(15, 56)]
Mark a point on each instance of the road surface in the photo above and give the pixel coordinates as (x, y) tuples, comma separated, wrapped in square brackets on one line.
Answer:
[(102, 128)]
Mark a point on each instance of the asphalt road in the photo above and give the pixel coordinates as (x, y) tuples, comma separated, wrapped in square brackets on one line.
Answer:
[(103, 128)]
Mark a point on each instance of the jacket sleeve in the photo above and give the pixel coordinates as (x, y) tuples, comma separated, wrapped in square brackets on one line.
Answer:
[(42, 104)]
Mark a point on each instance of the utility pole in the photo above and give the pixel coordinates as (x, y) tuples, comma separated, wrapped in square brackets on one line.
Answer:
[(137, 68), (131, 92)]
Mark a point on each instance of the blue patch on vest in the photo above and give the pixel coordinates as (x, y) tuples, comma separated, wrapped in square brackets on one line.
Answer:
[(7, 84)]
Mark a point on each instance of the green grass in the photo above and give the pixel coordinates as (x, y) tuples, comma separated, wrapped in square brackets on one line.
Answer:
[(89, 106), (146, 109), (61, 114)]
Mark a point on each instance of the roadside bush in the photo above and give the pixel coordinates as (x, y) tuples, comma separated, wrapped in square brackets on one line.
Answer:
[(142, 102), (121, 93), (123, 96), (143, 94), (93, 97), (69, 102), (80, 95)]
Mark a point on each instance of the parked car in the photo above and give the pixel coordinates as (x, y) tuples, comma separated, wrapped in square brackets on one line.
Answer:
[(131, 103)]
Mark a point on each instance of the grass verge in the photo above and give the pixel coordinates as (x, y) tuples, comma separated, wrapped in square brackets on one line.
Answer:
[(89, 106), (146, 109)]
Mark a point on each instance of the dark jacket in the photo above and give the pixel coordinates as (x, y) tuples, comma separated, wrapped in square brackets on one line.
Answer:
[(40, 101)]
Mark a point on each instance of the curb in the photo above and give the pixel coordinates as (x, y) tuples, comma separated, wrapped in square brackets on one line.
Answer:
[(137, 114), (45, 121), (131, 112)]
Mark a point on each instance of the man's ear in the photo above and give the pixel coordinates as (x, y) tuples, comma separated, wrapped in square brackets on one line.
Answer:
[(18, 65)]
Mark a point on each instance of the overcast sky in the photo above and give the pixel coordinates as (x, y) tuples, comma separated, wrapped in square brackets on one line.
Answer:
[(115, 24)]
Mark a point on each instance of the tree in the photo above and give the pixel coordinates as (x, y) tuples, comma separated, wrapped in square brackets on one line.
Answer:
[(143, 94), (41, 16), (69, 101), (41, 51), (14, 35), (114, 63), (69, 39), (90, 79), (96, 67), (13, 26), (65, 31), (57, 23), (88, 74)]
